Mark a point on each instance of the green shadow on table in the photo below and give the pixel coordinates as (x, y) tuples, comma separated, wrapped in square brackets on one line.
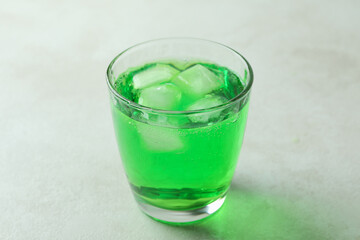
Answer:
[(248, 215)]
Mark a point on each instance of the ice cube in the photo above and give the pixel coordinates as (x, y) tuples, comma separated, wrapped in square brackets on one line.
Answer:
[(204, 103), (197, 81), (165, 96), (159, 139), (157, 74), (207, 102)]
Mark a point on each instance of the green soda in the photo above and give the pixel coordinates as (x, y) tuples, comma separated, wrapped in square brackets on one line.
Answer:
[(177, 155)]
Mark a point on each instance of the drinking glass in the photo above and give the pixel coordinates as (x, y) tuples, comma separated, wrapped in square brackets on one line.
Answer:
[(179, 170)]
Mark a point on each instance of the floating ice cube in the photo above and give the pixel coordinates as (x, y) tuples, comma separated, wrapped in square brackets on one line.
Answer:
[(207, 102), (159, 139), (157, 74), (164, 96), (198, 81), (204, 103)]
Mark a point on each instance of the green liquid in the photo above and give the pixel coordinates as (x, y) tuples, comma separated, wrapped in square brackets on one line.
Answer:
[(176, 163)]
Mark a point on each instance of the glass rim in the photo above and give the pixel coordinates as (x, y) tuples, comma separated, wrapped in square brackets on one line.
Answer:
[(135, 105)]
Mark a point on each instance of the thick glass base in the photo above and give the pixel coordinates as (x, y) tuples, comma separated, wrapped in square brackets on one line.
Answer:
[(181, 216)]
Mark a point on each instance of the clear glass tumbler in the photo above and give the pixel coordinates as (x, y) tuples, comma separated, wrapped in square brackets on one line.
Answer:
[(179, 168)]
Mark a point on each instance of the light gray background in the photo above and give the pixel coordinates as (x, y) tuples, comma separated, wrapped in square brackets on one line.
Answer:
[(60, 172)]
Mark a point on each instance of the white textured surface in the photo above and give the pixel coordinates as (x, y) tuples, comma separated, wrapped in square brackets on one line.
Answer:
[(60, 172)]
